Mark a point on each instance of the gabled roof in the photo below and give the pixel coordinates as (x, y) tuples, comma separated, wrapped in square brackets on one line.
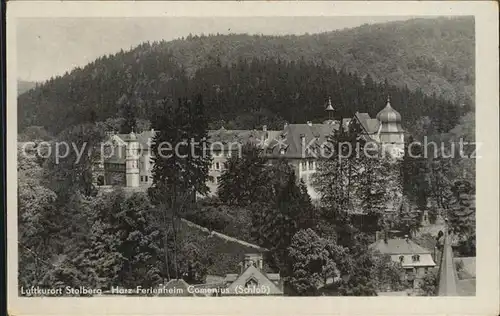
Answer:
[(448, 280), (258, 137), (369, 125), (263, 282), (295, 135), (177, 287), (396, 246)]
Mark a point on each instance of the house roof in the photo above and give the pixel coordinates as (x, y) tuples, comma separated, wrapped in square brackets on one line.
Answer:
[(448, 280), (398, 246), (228, 137), (178, 287), (425, 260), (294, 136), (262, 279), (370, 125)]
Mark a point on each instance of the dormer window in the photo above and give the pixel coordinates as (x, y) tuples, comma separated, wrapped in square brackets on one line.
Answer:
[(401, 259), (415, 258), (251, 283)]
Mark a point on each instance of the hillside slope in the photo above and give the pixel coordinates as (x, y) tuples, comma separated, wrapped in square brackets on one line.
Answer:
[(436, 55), (278, 78)]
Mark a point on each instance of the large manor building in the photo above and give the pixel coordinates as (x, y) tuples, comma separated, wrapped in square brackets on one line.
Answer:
[(130, 164)]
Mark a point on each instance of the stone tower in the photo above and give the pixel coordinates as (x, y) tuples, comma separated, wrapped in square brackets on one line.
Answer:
[(390, 132), (132, 161)]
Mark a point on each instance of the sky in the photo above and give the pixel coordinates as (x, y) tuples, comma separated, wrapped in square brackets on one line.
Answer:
[(48, 47)]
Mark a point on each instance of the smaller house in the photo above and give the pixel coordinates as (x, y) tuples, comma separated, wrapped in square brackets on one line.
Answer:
[(253, 280), (415, 259)]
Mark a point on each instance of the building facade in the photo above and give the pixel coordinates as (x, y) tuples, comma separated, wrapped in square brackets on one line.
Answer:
[(129, 161), (415, 259)]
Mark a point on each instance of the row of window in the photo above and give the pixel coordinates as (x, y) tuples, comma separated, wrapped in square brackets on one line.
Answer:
[(414, 258), (308, 165)]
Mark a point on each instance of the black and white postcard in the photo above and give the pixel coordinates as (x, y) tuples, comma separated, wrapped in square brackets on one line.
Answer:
[(213, 158)]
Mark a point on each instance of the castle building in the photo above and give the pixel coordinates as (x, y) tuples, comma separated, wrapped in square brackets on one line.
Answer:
[(130, 163)]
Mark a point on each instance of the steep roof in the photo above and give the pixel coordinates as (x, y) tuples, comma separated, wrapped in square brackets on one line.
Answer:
[(263, 282), (177, 287), (369, 125), (294, 136), (398, 246), (448, 280)]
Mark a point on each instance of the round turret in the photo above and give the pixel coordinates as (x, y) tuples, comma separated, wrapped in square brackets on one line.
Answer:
[(390, 132), (132, 136), (388, 114), (132, 161)]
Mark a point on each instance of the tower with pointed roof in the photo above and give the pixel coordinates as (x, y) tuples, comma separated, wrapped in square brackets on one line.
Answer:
[(390, 133), (132, 161), (329, 109)]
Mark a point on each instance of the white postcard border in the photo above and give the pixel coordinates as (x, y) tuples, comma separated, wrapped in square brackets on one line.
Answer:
[(486, 300)]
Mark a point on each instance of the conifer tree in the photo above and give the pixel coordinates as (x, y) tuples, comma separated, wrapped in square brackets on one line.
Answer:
[(241, 176), (67, 174), (282, 207), (129, 123), (181, 171)]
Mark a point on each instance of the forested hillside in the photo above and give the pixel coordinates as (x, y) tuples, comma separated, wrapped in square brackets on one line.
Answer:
[(246, 81)]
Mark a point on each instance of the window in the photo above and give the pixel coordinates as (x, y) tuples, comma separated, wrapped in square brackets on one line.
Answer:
[(217, 166), (401, 259), (415, 258), (282, 151), (311, 165), (251, 283), (100, 180), (304, 165)]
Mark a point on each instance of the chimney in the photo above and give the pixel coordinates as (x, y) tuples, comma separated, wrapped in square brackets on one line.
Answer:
[(309, 123), (264, 128)]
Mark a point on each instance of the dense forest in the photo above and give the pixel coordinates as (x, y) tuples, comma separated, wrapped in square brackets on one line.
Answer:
[(248, 81)]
